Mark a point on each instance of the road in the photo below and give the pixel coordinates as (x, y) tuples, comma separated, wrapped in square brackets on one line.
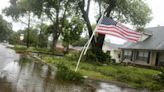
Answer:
[(29, 76)]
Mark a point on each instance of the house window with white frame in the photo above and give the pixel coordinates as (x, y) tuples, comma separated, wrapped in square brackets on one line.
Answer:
[(142, 55), (127, 54), (161, 59)]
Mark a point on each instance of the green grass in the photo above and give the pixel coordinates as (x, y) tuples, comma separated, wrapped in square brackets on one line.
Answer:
[(24, 49), (65, 74), (134, 76)]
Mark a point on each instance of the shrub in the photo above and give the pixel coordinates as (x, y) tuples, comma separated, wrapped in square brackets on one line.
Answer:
[(43, 50), (65, 74), (160, 76), (97, 56), (19, 49), (73, 55), (81, 42), (90, 57), (48, 59)]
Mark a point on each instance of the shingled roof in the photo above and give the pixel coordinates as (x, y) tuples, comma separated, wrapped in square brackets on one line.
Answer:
[(154, 42)]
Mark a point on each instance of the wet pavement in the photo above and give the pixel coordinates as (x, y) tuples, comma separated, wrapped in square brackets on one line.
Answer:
[(27, 76)]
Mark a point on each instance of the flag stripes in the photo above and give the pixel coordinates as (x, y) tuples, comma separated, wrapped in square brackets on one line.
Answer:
[(120, 30), (127, 29), (114, 33), (110, 27)]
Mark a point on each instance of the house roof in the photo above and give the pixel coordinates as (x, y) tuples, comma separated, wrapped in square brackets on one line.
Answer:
[(111, 46), (154, 42)]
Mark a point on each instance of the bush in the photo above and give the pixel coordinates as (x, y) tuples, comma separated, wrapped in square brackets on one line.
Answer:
[(97, 56), (73, 55), (43, 49), (19, 49), (65, 74), (90, 57), (160, 76), (81, 42)]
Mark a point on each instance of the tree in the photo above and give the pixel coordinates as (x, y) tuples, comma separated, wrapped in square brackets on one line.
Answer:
[(43, 35), (5, 29), (15, 37), (54, 10), (72, 31), (33, 38), (57, 11), (37, 37), (126, 11), (18, 9)]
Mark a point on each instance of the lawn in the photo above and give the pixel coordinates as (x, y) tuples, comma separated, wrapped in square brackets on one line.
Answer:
[(134, 76), (22, 49)]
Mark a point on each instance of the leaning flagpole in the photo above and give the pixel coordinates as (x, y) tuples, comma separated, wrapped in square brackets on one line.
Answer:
[(81, 54), (93, 35), (86, 46), (130, 35)]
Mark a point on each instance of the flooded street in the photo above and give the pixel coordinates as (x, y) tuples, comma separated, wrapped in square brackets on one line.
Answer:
[(29, 76)]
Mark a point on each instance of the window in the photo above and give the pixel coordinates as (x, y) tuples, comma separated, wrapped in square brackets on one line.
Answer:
[(161, 59), (142, 55), (127, 54)]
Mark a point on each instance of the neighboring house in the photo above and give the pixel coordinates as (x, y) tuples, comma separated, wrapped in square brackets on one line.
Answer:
[(150, 51), (113, 50)]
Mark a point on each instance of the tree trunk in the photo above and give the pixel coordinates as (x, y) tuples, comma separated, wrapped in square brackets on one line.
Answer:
[(28, 31), (55, 39), (100, 38), (66, 49), (56, 30), (40, 38), (41, 33), (86, 18), (100, 41)]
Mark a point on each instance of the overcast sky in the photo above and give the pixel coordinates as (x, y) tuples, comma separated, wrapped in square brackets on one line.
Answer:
[(155, 5)]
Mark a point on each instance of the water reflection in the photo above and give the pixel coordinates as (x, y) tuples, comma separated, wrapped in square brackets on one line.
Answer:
[(105, 87), (30, 76)]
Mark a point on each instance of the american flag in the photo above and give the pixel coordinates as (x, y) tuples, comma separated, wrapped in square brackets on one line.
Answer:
[(111, 27)]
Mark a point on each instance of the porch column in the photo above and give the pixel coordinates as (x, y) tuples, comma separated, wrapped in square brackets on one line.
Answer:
[(153, 56)]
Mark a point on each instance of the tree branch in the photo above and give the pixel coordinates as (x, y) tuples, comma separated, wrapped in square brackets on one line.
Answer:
[(99, 2), (112, 5), (86, 18), (100, 7), (22, 21), (88, 6)]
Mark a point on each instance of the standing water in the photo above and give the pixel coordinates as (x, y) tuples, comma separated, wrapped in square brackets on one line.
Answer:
[(21, 75)]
